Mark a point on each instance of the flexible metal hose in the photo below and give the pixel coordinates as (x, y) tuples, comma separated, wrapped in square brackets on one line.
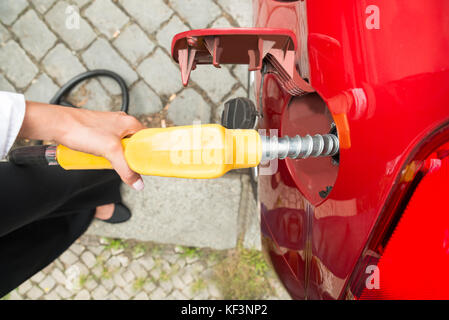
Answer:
[(299, 147)]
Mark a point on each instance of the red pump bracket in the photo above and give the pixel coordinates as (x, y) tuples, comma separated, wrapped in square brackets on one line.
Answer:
[(252, 46)]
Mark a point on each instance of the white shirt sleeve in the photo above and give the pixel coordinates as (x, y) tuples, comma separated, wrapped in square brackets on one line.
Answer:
[(12, 112)]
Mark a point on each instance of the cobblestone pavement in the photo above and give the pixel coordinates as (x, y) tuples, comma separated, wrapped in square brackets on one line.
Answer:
[(44, 43), (104, 269)]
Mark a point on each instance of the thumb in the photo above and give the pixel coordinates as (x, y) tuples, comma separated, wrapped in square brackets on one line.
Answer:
[(128, 176)]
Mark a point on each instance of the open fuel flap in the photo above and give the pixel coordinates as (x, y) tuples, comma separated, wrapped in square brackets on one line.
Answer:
[(271, 49)]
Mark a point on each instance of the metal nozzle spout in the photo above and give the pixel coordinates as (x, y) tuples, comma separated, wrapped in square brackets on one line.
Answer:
[(299, 147)]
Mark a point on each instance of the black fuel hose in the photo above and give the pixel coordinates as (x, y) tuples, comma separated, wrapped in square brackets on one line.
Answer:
[(62, 93), (38, 154)]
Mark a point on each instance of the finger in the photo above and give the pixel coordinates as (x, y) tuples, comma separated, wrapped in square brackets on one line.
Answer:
[(120, 165)]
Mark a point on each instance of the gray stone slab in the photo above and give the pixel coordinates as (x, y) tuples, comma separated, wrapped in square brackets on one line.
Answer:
[(42, 89), (143, 100), (33, 34), (43, 5), (133, 44), (241, 11), (241, 72), (249, 216), (5, 85), (9, 10), (168, 31), (217, 82), (149, 14), (81, 3), (101, 55), (92, 96), (221, 22), (188, 107), (198, 13), (4, 35), (106, 17), (200, 213), (63, 18), (62, 64), (160, 73), (16, 64)]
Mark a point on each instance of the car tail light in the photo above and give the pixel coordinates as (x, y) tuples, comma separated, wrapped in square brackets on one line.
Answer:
[(407, 256)]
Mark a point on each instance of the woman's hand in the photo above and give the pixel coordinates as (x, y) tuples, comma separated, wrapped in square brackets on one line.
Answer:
[(94, 132)]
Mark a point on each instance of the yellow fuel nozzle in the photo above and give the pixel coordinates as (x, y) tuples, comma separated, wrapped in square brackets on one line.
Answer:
[(198, 151)]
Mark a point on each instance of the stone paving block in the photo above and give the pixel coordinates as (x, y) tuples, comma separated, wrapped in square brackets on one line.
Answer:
[(90, 284), (63, 292), (4, 35), (177, 295), (108, 283), (188, 107), (41, 89), (62, 20), (9, 10), (149, 14), (167, 32), (137, 269), (89, 259), (100, 293), (221, 22), (5, 85), (166, 285), (62, 64), (16, 64), (209, 209), (128, 276), (119, 293), (14, 295), (198, 13), (81, 3), (147, 262), (134, 44), (101, 55), (43, 5), (118, 279), (47, 283), (143, 100), (77, 248), (106, 17), (33, 34), (141, 296), (24, 287), (59, 276), (149, 286), (97, 250), (124, 260), (161, 73), (241, 11), (53, 295), (38, 277), (91, 95), (241, 72), (216, 82), (68, 258), (158, 294), (82, 295), (34, 293)]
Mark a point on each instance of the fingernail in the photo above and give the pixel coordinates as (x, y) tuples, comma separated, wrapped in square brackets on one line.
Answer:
[(138, 185)]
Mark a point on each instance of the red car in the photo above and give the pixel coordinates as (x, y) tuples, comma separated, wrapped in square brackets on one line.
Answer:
[(371, 222)]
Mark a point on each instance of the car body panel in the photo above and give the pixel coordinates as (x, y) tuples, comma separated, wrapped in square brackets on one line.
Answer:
[(389, 85)]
